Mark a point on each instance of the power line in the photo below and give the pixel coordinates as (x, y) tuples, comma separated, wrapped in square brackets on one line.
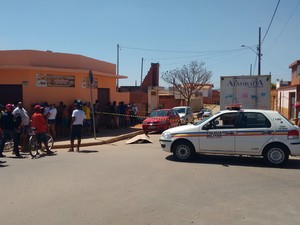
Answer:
[(205, 56), (179, 51), (204, 59), (271, 21), (285, 25)]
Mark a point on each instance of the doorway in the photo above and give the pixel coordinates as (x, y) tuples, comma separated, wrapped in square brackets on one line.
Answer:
[(10, 93), (292, 109), (103, 97)]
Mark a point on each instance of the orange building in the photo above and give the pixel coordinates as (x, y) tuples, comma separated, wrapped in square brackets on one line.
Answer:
[(37, 76)]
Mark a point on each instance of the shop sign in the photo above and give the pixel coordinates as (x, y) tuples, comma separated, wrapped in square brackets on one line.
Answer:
[(86, 82), (47, 80)]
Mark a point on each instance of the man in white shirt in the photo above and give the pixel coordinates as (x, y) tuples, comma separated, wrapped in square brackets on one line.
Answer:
[(24, 125), (51, 117), (46, 108), (78, 116), (134, 112)]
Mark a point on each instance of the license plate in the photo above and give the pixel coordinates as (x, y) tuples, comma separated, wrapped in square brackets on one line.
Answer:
[(151, 127)]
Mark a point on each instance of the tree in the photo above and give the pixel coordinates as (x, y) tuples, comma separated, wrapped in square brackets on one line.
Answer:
[(189, 79)]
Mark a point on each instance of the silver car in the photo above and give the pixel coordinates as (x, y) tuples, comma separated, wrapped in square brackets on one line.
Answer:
[(185, 113)]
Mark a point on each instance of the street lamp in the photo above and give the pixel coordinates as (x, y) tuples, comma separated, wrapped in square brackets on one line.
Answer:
[(258, 52), (245, 46)]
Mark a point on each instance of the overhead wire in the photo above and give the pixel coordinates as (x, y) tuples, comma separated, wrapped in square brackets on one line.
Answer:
[(285, 25), (271, 61), (210, 54), (270, 22), (180, 51), (204, 55)]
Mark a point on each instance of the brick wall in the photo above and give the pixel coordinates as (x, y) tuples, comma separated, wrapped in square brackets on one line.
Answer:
[(214, 99), (141, 101), (152, 77), (168, 102)]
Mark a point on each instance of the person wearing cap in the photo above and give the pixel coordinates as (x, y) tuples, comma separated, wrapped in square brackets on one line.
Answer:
[(10, 126), (40, 124)]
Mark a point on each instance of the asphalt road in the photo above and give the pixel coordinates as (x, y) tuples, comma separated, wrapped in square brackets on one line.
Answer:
[(121, 184)]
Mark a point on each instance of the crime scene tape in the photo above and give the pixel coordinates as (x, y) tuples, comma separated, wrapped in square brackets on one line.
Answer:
[(134, 116)]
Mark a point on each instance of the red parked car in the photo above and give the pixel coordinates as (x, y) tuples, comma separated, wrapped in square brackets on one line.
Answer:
[(160, 120)]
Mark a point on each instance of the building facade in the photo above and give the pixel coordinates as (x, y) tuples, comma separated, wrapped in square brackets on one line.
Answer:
[(288, 97), (37, 76)]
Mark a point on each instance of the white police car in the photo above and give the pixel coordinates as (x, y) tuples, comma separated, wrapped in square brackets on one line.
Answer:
[(236, 132)]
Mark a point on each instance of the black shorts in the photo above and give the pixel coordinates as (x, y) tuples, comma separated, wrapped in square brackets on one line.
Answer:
[(76, 132), (41, 137), (51, 121)]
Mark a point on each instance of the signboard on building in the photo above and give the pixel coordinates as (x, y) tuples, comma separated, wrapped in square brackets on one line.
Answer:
[(85, 83), (49, 80), (253, 92)]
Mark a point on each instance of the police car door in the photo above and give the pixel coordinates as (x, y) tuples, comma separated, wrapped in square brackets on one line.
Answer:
[(254, 131), (219, 135)]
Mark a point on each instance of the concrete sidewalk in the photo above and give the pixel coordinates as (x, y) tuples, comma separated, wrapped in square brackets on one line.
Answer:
[(104, 136)]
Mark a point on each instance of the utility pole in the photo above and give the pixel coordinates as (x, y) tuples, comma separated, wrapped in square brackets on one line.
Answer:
[(142, 66), (118, 50), (91, 79), (259, 50)]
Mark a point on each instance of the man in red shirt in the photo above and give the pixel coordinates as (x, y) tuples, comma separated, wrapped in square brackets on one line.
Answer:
[(40, 124)]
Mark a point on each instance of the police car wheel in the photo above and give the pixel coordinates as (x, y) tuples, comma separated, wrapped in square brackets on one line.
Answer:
[(183, 151), (276, 155)]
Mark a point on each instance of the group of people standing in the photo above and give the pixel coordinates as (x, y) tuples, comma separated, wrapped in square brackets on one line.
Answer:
[(60, 120), (121, 115), (14, 124)]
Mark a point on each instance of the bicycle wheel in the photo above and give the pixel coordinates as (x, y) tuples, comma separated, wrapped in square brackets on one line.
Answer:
[(33, 146), (50, 143)]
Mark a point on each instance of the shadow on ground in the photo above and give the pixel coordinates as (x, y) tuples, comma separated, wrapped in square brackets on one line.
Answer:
[(88, 151), (228, 161)]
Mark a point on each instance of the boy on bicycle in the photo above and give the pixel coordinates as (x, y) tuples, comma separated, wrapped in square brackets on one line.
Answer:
[(40, 124)]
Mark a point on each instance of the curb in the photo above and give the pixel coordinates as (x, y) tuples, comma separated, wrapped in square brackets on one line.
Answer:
[(102, 142)]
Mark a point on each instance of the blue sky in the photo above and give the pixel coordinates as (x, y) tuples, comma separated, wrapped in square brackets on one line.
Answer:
[(170, 32)]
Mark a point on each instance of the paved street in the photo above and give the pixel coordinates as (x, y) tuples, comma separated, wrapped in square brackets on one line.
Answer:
[(140, 184)]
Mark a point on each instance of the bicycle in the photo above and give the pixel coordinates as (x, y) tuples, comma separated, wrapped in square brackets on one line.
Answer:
[(35, 147)]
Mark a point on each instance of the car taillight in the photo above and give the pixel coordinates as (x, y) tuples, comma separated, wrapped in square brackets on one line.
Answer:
[(293, 134)]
